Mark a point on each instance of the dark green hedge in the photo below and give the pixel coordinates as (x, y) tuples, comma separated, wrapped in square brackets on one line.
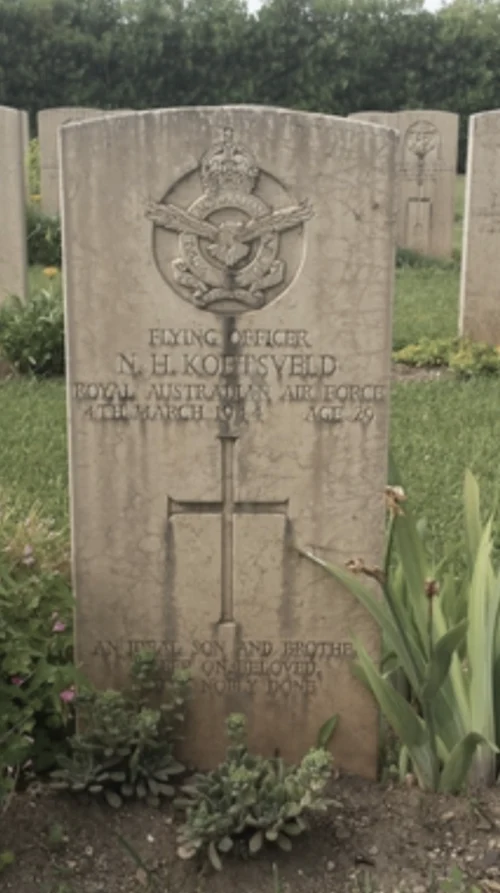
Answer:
[(333, 56)]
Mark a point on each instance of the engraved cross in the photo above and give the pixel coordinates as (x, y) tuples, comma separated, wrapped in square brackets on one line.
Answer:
[(227, 507)]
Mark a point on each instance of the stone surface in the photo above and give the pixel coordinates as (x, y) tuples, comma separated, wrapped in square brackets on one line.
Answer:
[(427, 174), (427, 164), (48, 123), (26, 149), (480, 282), (13, 259), (383, 119), (228, 277)]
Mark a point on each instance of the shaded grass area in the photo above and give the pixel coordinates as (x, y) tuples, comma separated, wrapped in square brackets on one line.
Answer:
[(438, 429), (33, 453), (425, 304)]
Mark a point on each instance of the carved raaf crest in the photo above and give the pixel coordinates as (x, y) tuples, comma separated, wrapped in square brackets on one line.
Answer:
[(230, 237)]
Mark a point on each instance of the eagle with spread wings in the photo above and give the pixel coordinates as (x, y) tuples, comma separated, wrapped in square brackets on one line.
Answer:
[(230, 241)]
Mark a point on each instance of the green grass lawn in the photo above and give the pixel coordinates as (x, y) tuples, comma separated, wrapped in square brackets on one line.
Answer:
[(438, 428), (33, 454), (425, 304)]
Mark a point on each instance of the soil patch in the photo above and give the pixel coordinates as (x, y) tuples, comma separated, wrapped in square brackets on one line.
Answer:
[(373, 838)]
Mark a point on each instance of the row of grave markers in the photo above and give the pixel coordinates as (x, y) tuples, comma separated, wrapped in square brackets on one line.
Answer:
[(13, 198), (426, 170), (14, 184), (228, 279)]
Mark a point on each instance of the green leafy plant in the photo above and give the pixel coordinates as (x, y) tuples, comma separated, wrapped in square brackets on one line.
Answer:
[(126, 748), (249, 800), (277, 885), (44, 237), (326, 731), (428, 352), (56, 836), (36, 670), (32, 332), (465, 358), (6, 858), (457, 882), (473, 357), (445, 640)]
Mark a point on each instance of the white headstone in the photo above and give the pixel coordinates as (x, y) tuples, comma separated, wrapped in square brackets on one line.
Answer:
[(13, 253), (480, 282), (383, 119), (26, 151), (48, 122), (427, 176), (427, 165), (228, 278)]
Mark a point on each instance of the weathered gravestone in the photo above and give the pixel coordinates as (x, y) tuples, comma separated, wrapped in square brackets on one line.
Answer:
[(48, 123), (26, 150), (228, 277), (480, 277), (381, 118), (427, 165), (13, 254), (427, 173)]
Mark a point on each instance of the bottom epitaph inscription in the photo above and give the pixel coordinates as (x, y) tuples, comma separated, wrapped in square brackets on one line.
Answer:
[(278, 669)]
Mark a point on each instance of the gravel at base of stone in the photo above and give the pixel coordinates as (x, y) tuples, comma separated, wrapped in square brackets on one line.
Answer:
[(376, 838)]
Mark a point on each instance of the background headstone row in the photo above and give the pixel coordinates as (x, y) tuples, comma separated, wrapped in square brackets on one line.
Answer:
[(425, 174)]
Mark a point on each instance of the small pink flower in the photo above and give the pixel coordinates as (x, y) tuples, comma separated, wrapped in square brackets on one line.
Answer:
[(67, 695), (58, 627), (17, 680)]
